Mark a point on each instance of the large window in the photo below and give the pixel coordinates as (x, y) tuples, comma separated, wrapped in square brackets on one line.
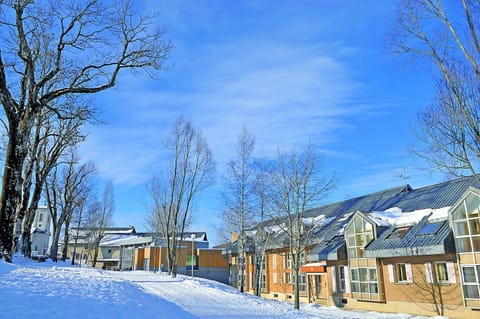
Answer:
[(359, 233), (466, 221), (364, 280), (471, 282)]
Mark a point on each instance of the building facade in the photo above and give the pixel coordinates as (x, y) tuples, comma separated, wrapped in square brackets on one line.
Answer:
[(399, 250)]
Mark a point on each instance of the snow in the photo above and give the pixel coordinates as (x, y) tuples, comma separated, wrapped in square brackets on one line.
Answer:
[(49, 290), (396, 217)]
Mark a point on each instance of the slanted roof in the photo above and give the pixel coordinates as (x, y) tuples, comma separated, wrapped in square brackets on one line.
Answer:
[(424, 238)]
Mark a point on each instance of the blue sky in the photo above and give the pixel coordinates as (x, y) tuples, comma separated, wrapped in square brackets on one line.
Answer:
[(291, 72)]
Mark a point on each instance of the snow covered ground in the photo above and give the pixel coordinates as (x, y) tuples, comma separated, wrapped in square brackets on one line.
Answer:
[(48, 290)]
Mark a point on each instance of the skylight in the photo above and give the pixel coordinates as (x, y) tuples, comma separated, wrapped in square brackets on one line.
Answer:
[(398, 232), (429, 229)]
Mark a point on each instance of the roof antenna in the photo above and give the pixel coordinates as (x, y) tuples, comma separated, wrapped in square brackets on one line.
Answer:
[(405, 178)]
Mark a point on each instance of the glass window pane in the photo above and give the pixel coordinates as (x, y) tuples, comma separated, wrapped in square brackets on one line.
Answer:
[(352, 253), (429, 229), (368, 237), (358, 225), (473, 202), (441, 270), (368, 227), (355, 274), (363, 274), (475, 226), (461, 228), (355, 287), (373, 275), (471, 291), (468, 274), (350, 241), (464, 245), (360, 252), (360, 240), (364, 287), (373, 288), (459, 213)]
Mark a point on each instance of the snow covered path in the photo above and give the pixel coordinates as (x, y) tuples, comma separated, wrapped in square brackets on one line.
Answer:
[(47, 290)]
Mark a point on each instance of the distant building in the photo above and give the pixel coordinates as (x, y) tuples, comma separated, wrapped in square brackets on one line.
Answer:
[(41, 233), (205, 262)]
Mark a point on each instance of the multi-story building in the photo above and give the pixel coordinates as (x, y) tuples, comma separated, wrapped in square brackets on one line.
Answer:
[(399, 250)]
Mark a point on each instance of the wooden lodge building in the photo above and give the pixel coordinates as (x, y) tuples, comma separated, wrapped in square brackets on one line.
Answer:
[(400, 250)]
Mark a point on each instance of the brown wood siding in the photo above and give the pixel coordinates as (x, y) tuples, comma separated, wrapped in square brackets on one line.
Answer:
[(420, 291)]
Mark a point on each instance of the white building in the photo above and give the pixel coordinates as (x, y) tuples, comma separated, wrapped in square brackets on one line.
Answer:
[(41, 232)]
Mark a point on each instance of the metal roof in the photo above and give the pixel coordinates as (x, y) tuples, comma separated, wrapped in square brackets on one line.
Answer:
[(413, 242)]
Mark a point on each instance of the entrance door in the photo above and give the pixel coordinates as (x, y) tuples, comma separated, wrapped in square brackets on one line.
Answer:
[(320, 284)]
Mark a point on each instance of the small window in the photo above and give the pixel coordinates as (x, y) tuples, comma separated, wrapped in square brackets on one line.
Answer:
[(341, 278), (398, 233), (430, 229), (401, 272), (441, 272), (40, 217)]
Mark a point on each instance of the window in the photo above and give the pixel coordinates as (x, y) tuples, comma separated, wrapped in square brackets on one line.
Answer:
[(430, 229), (401, 273), (274, 279), (466, 224), (398, 233), (274, 261), (358, 234), (40, 217), (471, 281), (341, 278), (441, 272), (364, 280)]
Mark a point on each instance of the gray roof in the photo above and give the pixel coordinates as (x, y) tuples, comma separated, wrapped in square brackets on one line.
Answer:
[(413, 243)]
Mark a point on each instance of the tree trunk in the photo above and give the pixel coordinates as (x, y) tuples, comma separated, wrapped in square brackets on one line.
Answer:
[(65, 241), (11, 188), (29, 217)]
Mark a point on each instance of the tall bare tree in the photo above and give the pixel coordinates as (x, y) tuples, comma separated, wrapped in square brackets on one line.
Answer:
[(445, 34), (52, 137), (239, 214), (53, 50), (297, 186), (189, 170), (100, 216), (65, 190)]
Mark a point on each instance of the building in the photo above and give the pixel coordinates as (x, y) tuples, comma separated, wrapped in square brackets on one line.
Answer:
[(194, 257), (399, 250), (116, 247), (41, 233)]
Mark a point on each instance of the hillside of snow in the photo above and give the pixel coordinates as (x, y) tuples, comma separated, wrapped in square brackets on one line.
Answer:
[(48, 290)]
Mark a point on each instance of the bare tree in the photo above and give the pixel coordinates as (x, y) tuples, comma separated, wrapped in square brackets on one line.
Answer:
[(100, 216), (51, 139), (51, 51), (190, 169), (239, 214), (445, 34), (65, 189), (297, 187)]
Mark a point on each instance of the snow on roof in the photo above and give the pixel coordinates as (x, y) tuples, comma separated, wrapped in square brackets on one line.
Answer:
[(396, 217), (125, 240)]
